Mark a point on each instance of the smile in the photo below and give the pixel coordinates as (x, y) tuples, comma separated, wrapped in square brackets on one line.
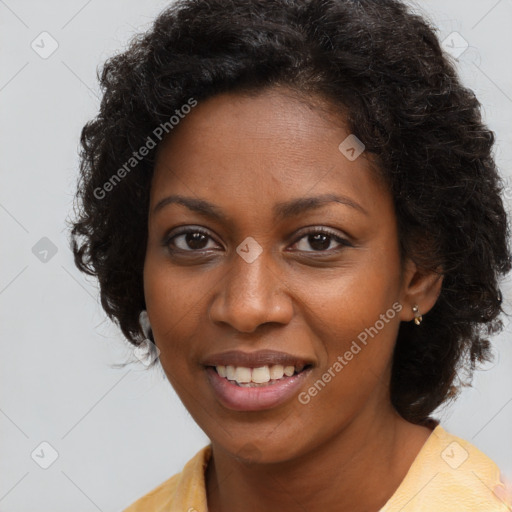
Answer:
[(256, 381), (257, 377)]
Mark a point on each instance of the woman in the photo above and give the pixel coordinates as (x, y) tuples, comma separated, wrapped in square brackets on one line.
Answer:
[(297, 203)]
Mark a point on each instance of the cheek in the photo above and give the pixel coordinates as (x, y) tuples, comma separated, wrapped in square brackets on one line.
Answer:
[(174, 307), (355, 317), (356, 345), (362, 330), (356, 297)]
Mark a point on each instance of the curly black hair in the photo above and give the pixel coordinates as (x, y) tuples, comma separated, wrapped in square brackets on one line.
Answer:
[(382, 66)]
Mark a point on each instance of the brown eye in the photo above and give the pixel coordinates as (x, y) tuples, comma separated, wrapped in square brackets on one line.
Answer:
[(189, 240), (321, 241)]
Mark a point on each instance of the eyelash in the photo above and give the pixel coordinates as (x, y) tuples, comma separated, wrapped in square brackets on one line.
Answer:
[(324, 231)]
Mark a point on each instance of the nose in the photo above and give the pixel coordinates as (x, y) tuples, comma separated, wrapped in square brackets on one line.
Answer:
[(252, 294)]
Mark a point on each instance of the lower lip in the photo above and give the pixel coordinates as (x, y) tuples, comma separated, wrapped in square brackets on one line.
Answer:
[(240, 398)]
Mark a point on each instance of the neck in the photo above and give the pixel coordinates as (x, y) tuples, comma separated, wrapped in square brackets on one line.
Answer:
[(357, 470)]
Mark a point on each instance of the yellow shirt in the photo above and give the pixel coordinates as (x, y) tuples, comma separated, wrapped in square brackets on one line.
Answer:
[(448, 475)]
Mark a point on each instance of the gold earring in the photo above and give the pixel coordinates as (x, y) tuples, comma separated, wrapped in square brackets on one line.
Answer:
[(417, 317)]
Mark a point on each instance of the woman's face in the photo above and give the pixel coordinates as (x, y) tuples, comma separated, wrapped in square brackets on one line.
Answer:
[(291, 261)]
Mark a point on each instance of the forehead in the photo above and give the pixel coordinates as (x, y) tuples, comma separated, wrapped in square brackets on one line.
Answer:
[(258, 147)]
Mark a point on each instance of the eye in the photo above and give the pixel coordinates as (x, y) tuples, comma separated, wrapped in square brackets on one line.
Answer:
[(189, 240), (320, 240), (196, 239)]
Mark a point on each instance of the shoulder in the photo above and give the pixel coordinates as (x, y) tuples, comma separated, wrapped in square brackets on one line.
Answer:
[(449, 474), (173, 492), (158, 499)]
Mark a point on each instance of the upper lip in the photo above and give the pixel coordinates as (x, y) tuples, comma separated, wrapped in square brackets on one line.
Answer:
[(255, 359)]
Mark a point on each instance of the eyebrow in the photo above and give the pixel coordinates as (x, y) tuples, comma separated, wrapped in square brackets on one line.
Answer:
[(280, 211)]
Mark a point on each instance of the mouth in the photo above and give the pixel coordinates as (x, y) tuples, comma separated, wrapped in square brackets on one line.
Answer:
[(256, 381), (267, 375)]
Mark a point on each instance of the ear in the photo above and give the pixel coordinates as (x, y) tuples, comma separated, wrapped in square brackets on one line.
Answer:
[(419, 288)]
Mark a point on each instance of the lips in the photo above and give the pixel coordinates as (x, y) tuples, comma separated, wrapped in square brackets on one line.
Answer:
[(255, 359), (255, 381)]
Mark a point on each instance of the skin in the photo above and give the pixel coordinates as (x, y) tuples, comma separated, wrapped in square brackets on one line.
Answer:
[(347, 449)]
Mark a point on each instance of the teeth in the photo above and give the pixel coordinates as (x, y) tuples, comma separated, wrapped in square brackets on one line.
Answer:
[(261, 375), (289, 370), (230, 372), (276, 371), (242, 375)]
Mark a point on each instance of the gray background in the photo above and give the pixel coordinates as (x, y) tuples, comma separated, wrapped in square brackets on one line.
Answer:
[(120, 432)]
